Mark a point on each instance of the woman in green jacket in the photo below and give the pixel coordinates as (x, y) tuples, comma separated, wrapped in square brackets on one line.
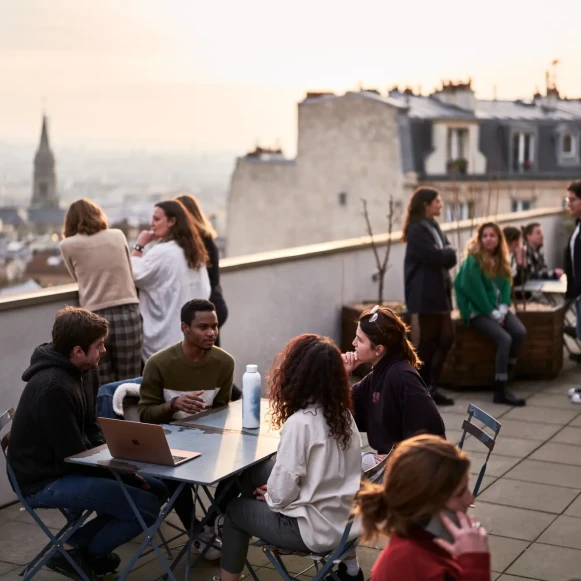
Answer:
[(482, 287)]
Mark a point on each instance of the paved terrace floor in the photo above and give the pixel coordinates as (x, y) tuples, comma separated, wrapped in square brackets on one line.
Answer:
[(530, 501)]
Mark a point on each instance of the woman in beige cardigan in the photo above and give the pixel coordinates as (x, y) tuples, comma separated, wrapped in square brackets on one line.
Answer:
[(98, 259)]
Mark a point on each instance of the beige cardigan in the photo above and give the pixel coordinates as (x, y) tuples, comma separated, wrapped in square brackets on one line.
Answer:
[(101, 265)]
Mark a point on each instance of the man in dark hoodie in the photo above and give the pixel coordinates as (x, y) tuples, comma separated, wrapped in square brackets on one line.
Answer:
[(56, 419)]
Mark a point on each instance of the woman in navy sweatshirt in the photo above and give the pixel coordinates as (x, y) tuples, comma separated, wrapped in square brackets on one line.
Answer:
[(392, 402)]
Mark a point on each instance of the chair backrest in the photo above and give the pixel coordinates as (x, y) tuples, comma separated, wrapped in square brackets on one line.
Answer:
[(486, 439), (5, 419)]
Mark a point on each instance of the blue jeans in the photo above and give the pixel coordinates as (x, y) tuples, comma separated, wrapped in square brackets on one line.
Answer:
[(105, 398), (115, 523)]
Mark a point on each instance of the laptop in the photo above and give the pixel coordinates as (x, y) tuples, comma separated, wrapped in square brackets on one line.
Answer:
[(141, 443)]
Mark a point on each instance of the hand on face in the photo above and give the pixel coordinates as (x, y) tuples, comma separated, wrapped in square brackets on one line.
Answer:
[(469, 537), (351, 361), (145, 237), (190, 403)]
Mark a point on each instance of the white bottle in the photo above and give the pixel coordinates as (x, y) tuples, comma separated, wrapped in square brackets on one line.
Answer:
[(251, 392)]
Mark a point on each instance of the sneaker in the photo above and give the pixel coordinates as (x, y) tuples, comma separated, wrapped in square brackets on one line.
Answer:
[(204, 539), (60, 565), (344, 576), (576, 398), (574, 390), (575, 357), (440, 398), (104, 564), (570, 331), (219, 525)]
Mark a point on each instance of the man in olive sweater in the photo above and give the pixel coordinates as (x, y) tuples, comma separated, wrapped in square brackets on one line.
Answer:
[(173, 380)]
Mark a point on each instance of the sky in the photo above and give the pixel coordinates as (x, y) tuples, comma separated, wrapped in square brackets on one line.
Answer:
[(185, 74)]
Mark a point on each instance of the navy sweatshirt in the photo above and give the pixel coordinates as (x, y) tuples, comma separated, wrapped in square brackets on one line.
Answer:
[(392, 404)]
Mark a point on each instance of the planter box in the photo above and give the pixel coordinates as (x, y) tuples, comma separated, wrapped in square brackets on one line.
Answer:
[(350, 315), (470, 362)]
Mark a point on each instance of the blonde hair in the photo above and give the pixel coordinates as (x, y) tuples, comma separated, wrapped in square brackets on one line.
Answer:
[(422, 474), (200, 219), (495, 263)]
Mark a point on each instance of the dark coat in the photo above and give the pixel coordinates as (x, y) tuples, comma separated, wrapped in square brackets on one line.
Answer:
[(573, 281), (428, 287), (216, 295), (392, 404)]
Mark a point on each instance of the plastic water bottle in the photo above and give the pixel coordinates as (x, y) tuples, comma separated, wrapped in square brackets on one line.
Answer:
[(251, 392)]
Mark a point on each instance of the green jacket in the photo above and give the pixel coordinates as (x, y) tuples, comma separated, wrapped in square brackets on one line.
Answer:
[(476, 292)]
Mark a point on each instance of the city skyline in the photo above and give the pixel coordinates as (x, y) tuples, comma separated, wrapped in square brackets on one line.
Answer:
[(157, 76)]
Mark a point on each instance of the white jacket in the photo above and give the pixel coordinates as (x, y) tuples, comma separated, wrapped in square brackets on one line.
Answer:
[(165, 283), (314, 479)]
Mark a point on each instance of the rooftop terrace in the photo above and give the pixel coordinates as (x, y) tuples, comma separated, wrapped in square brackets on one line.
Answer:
[(530, 501)]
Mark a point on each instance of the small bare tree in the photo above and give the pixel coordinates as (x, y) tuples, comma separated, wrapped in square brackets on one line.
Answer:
[(382, 264)]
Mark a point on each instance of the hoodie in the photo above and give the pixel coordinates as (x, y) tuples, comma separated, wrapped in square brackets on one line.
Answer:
[(55, 419)]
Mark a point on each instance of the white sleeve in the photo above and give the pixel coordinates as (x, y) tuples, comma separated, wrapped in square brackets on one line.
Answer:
[(283, 486), (146, 267)]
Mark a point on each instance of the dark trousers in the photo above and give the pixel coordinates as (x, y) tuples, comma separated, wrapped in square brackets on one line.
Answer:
[(433, 336), (508, 338)]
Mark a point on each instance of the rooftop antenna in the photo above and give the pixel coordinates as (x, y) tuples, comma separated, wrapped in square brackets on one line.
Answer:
[(494, 92), (554, 66)]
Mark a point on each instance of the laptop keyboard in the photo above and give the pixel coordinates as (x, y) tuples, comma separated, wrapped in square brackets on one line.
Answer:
[(178, 458)]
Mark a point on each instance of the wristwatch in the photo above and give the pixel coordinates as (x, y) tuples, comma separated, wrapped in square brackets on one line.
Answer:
[(138, 247), (173, 402)]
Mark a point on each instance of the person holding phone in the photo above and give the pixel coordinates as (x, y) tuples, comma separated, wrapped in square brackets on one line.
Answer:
[(422, 507)]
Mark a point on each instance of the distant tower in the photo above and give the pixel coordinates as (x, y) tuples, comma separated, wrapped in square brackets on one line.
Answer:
[(44, 194)]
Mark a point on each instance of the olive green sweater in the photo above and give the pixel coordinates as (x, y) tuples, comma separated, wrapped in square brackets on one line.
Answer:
[(169, 371)]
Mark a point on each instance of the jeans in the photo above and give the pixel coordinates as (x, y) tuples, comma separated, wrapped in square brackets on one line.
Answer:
[(115, 523), (508, 338), (105, 398), (247, 517)]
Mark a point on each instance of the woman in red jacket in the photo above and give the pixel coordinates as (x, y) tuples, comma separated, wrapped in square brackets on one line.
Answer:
[(425, 476)]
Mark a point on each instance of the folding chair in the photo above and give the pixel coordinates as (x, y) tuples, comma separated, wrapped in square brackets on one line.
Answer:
[(323, 562), (56, 541), (489, 441)]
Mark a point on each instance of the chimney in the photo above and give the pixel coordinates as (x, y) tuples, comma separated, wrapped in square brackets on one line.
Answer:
[(460, 95)]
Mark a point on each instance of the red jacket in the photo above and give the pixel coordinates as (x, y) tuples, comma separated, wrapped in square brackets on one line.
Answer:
[(420, 559)]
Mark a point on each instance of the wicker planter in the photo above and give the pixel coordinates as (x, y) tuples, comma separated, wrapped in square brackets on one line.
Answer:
[(470, 362), (350, 315)]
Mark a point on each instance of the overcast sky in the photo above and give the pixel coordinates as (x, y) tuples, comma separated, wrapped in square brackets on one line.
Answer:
[(164, 74)]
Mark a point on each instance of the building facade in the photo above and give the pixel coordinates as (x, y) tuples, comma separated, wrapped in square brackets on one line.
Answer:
[(486, 157)]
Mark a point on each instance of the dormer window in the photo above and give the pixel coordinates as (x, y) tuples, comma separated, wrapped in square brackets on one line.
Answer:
[(457, 150), (523, 151), (568, 145)]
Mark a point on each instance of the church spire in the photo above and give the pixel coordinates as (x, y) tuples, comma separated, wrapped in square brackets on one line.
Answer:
[(44, 143), (44, 194)]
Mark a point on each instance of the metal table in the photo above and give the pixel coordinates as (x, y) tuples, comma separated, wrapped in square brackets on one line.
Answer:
[(224, 453)]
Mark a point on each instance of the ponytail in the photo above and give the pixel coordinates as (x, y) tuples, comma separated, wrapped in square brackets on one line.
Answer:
[(371, 506)]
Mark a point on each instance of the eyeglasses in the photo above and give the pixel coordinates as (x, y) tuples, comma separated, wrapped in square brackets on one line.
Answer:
[(374, 316)]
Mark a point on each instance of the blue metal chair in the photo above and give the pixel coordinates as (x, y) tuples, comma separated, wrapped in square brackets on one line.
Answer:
[(56, 541), (489, 441), (322, 562)]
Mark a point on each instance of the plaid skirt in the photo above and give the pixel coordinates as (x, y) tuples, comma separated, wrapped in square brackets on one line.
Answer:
[(123, 357)]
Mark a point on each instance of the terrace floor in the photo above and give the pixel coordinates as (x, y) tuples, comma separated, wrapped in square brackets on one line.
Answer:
[(530, 501)]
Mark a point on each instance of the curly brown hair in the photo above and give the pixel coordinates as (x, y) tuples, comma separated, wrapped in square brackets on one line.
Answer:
[(310, 370), (185, 233), (495, 263)]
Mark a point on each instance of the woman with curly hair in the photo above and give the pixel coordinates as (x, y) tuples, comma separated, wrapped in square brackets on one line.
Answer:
[(422, 507), (169, 275), (302, 500), (483, 286), (391, 402)]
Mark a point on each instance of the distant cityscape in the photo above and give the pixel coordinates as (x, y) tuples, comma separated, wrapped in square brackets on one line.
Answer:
[(125, 184)]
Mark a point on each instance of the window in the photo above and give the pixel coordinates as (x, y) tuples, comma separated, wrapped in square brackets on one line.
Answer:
[(523, 151), (568, 145), (343, 199), (521, 205), (457, 146), (459, 211)]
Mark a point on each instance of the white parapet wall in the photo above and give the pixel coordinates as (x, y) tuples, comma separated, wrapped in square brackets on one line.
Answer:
[(272, 297)]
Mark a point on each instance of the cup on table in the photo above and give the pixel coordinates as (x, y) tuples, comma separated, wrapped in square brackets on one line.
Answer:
[(208, 396)]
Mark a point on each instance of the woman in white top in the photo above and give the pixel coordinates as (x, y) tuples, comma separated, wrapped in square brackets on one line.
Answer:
[(302, 500), (169, 274), (98, 259)]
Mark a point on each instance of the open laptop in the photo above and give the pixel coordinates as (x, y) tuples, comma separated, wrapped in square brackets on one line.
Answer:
[(141, 443)]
